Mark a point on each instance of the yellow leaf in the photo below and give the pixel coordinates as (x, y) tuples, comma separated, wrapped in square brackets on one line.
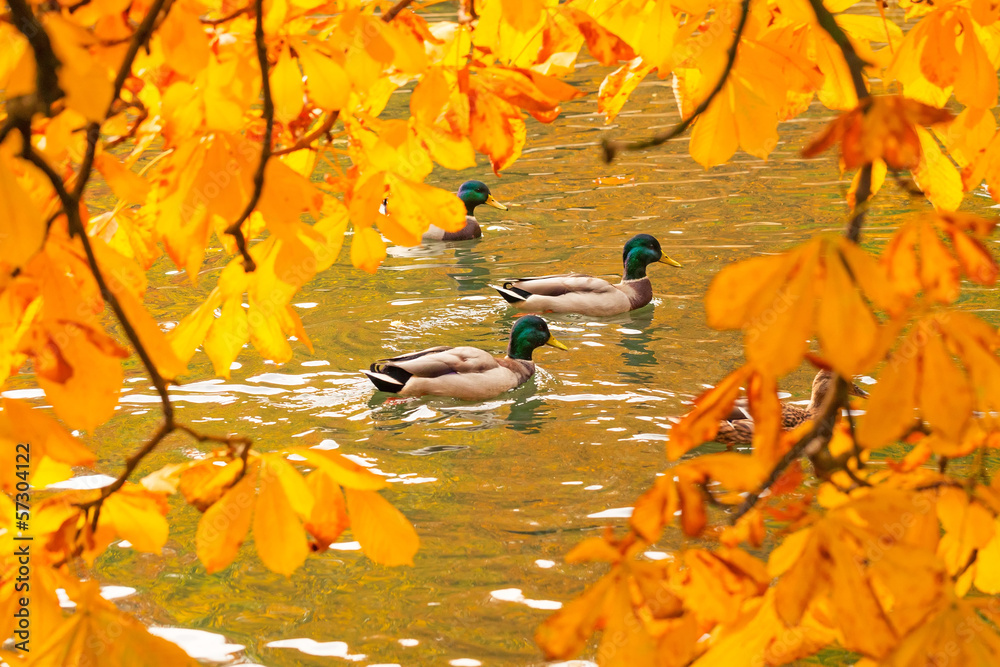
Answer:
[(266, 334), (367, 249), (384, 533), (778, 337), (138, 516), (22, 229), (565, 633), (326, 81), (715, 136), (702, 423), (430, 96), (496, 128), (893, 399), (287, 89), (341, 470), (936, 175), (451, 151), (976, 83), (417, 206), (944, 393), (204, 482), (224, 525), (655, 43), (227, 336), (99, 634), (125, 183), (292, 484), (847, 329), (625, 641), (329, 512), (979, 644), (277, 531), (184, 42), (87, 398), (153, 339), (655, 509), (522, 15), (618, 86)]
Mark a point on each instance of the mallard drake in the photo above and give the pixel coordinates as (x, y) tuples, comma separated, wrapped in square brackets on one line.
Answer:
[(737, 428), (473, 194), (465, 372), (587, 295)]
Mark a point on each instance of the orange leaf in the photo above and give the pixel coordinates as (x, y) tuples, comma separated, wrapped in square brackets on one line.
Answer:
[(367, 249), (384, 533), (702, 423), (606, 47)]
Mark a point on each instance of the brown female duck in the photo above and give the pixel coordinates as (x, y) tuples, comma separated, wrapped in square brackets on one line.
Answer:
[(737, 427)]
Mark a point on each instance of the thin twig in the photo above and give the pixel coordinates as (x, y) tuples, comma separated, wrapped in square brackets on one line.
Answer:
[(395, 9), (236, 229), (817, 437), (613, 148), (227, 17), (72, 210), (140, 37), (306, 141), (47, 89), (854, 62)]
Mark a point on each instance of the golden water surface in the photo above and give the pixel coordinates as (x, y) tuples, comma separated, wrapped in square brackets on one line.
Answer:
[(498, 490)]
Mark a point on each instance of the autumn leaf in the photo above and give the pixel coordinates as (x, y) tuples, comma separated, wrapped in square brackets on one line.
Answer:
[(883, 127), (702, 423), (225, 524), (384, 533), (98, 633)]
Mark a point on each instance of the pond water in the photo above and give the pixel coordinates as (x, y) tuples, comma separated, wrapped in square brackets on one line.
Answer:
[(499, 490)]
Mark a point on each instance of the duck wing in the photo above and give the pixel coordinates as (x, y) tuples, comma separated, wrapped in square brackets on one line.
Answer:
[(569, 283), (438, 361)]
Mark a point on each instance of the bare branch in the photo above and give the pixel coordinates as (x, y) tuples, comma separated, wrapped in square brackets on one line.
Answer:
[(71, 207), (613, 148), (854, 62), (306, 141), (141, 36), (227, 17), (395, 9), (814, 440), (236, 229), (47, 89)]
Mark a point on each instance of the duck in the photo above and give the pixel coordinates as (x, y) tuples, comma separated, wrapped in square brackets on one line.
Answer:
[(466, 373), (586, 295), (472, 194), (737, 428)]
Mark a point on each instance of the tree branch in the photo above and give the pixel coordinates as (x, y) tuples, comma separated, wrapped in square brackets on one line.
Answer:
[(227, 17), (817, 438), (47, 65), (236, 229), (613, 148), (854, 62), (395, 9), (141, 36), (306, 141)]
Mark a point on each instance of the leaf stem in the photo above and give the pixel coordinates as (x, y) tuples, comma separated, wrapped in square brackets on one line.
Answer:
[(613, 148), (236, 229)]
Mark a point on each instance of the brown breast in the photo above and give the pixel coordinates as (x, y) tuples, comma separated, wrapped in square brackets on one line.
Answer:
[(519, 367), (639, 292)]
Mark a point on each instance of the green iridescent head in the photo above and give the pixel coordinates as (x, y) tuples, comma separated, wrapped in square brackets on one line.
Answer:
[(640, 251), (474, 193), (527, 334)]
